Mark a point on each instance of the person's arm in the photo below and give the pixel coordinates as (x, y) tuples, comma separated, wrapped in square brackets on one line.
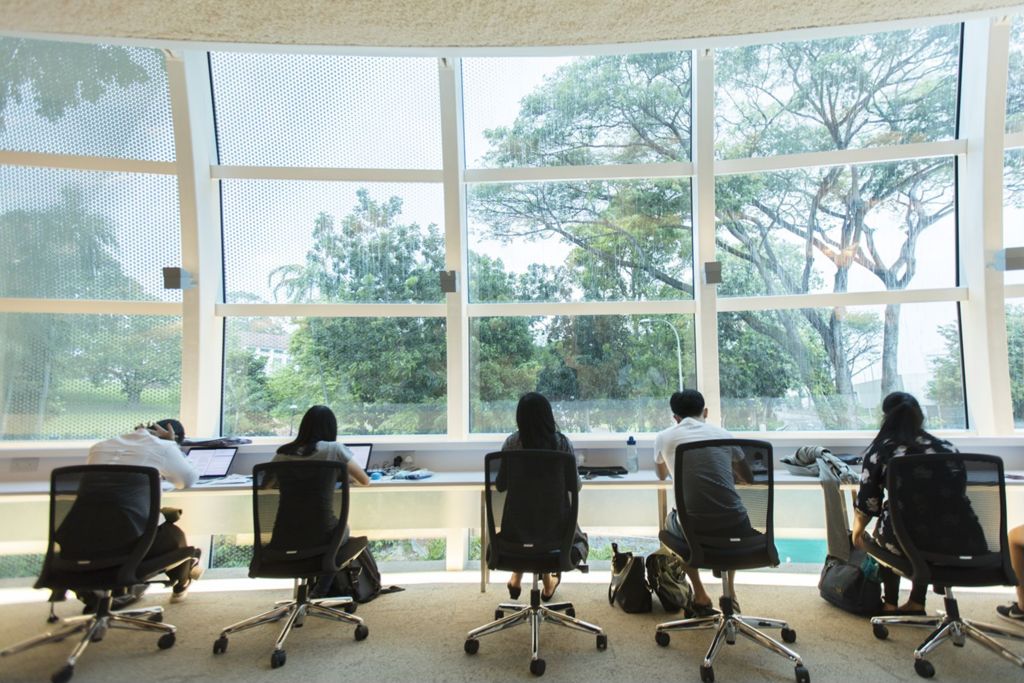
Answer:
[(355, 472), (869, 496), (860, 523), (741, 472), (175, 468), (659, 461)]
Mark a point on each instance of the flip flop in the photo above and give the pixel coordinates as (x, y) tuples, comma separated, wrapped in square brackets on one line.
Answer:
[(546, 597)]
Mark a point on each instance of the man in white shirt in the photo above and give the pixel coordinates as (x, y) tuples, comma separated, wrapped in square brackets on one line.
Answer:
[(712, 501), (158, 446)]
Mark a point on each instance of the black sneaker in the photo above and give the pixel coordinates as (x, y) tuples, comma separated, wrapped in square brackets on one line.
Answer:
[(1012, 612)]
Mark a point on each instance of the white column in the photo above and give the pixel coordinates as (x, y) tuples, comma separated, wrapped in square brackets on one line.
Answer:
[(202, 331), (457, 325), (705, 296), (983, 317)]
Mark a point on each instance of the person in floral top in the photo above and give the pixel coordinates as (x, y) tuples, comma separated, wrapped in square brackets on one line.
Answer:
[(902, 431)]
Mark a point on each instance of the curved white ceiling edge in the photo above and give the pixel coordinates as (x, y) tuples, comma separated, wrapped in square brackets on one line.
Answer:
[(467, 26)]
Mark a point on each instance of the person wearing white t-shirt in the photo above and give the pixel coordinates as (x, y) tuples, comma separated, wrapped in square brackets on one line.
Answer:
[(157, 446), (713, 505)]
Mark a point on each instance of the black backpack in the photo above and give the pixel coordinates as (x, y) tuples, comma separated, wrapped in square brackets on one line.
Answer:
[(668, 580), (359, 580), (845, 585), (629, 586)]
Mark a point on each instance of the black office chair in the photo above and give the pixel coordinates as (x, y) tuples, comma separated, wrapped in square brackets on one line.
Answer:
[(948, 512), (750, 550), (103, 519), (300, 514), (532, 501)]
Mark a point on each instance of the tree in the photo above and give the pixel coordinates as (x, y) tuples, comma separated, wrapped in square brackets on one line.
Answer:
[(135, 353)]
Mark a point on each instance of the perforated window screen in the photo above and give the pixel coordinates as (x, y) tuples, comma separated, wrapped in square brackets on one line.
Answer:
[(303, 242), (327, 111), (86, 376), (576, 111), (87, 235), (81, 99)]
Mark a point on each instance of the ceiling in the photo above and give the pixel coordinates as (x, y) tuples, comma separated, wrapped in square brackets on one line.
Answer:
[(458, 23)]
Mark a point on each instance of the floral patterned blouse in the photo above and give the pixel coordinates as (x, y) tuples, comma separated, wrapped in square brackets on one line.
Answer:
[(871, 495)]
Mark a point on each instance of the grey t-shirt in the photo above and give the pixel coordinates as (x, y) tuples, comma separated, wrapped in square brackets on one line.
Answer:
[(325, 450), (709, 489)]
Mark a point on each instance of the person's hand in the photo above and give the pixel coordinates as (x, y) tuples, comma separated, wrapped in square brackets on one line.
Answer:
[(161, 433)]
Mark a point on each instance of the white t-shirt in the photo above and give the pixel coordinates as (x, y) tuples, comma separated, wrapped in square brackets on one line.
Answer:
[(688, 430), (145, 450)]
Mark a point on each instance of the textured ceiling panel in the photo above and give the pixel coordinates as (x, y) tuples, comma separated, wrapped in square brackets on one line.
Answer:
[(455, 23)]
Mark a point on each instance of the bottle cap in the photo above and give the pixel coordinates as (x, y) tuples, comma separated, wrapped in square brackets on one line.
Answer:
[(631, 441)]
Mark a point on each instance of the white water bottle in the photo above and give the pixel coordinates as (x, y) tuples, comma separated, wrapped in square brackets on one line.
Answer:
[(632, 461)]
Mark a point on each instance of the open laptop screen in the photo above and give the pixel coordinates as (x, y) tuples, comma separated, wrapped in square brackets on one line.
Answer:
[(212, 462), (361, 453)]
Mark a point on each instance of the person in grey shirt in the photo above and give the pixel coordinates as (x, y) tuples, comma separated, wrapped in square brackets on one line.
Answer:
[(709, 486)]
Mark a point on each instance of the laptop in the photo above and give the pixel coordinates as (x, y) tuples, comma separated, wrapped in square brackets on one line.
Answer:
[(212, 463), (361, 453)]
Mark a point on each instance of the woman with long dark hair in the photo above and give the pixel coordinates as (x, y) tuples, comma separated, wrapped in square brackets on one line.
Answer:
[(317, 439), (537, 430), (902, 432)]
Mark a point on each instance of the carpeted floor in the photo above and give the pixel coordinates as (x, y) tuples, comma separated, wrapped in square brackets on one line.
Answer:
[(418, 635)]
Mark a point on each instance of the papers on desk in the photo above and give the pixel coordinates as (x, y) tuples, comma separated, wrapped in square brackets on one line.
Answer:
[(226, 480)]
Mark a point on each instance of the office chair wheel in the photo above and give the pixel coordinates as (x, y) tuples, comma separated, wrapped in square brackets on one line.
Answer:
[(471, 646), (924, 668), (570, 612), (881, 631), (707, 674), (662, 638), (498, 614), (537, 667), (788, 635), (64, 674), (362, 630), (220, 646), (166, 641), (602, 642), (277, 659), (802, 674)]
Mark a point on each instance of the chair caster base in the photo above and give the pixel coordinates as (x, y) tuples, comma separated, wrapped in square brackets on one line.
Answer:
[(278, 659), (707, 674), (63, 675), (924, 668), (537, 667)]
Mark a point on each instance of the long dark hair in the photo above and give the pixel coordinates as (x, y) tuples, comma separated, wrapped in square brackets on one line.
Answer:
[(536, 422), (902, 420), (318, 424)]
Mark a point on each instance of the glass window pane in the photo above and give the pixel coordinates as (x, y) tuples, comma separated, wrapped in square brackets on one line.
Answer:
[(379, 375), (830, 368), (837, 229), (327, 110), (87, 234), (575, 111), (86, 376), (1013, 208), (90, 100), (1015, 79), (601, 373), (306, 242), (581, 241), (1015, 348), (837, 93)]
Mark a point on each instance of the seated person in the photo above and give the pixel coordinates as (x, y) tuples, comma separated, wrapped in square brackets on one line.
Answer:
[(153, 446), (1015, 610), (902, 432), (712, 504), (317, 439), (537, 430)]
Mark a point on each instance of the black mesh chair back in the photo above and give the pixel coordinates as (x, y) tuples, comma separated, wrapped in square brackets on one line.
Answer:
[(300, 512), (103, 519), (726, 527), (948, 512), (532, 502), (949, 515)]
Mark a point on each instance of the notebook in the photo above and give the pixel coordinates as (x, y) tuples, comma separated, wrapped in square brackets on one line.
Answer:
[(361, 453), (212, 463)]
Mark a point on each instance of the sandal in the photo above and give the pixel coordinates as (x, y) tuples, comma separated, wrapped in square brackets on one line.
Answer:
[(546, 597)]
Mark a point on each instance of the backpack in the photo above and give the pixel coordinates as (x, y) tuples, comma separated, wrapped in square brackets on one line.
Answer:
[(668, 581), (359, 580), (852, 586), (629, 586)]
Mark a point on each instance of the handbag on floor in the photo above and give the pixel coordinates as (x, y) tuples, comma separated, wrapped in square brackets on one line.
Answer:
[(668, 580), (852, 585), (629, 587), (359, 580)]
